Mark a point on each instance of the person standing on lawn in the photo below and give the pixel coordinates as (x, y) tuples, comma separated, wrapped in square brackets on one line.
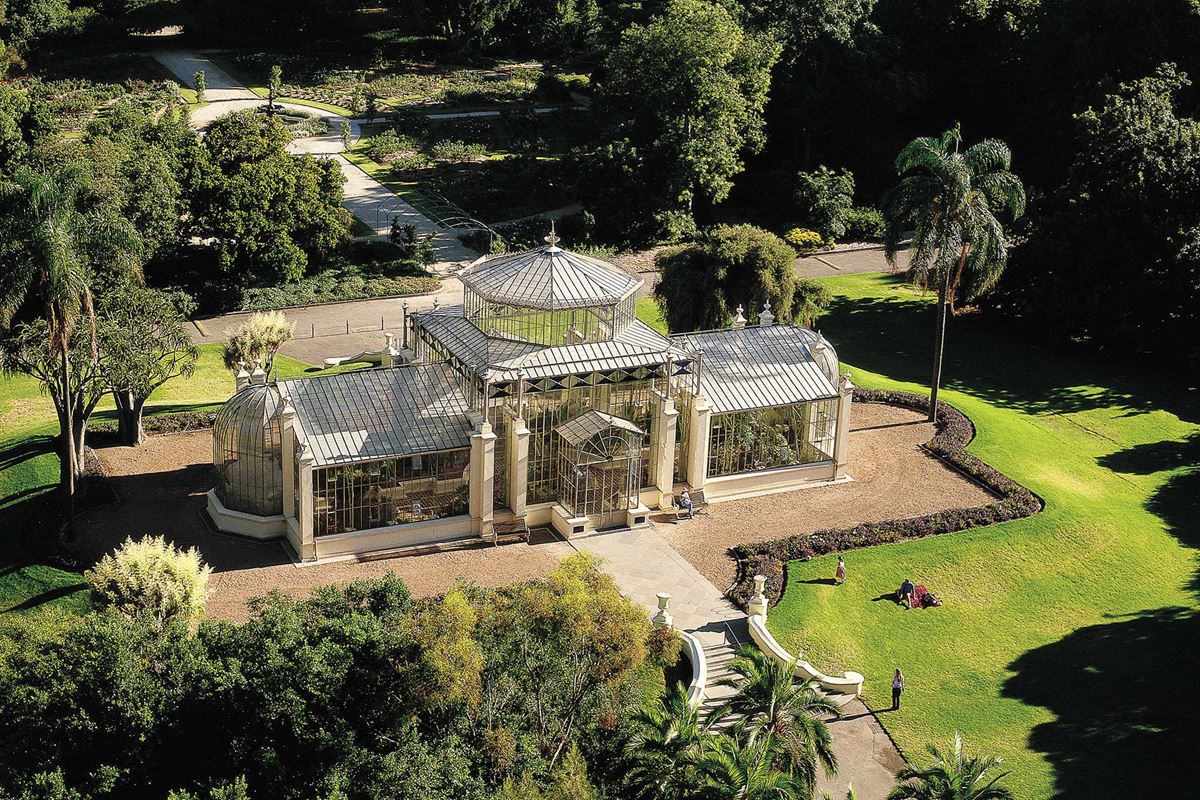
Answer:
[(839, 577), (897, 689)]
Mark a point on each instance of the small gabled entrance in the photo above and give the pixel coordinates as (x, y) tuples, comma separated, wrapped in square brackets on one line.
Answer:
[(600, 467)]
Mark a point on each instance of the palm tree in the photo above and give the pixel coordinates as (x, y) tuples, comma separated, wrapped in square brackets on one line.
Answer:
[(951, 200), (48, 246), (667, 742), (790, 712), (731, 769), (952, 776)]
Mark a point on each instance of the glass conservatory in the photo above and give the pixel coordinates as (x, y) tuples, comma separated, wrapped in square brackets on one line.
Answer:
[(541, 400)]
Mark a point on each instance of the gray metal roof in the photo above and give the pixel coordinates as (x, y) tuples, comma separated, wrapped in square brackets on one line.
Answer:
[(496, 358), (549, 279), (583, 427), (762, 366), (379, 413)]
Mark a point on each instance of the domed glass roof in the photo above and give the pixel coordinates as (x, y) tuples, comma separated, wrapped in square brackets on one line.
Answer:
[(548, 279), (248, 451)]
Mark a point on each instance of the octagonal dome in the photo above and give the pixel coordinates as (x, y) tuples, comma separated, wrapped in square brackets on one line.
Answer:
[(548, 279)]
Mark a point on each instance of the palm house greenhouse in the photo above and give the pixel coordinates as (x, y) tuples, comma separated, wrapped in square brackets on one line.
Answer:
[(541, 400)]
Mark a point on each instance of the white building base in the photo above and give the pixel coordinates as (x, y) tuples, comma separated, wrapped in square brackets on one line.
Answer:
[(243, 524), (772, 481)]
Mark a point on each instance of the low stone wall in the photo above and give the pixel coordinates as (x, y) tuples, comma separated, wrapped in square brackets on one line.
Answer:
[(953, 432), (846, 683), (695, 654)]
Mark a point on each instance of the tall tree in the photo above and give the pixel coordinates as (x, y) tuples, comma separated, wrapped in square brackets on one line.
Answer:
[(145, 344), (692, 85), (951, 776), (774, 704), (667, 742), (954, 203), (48, 248)]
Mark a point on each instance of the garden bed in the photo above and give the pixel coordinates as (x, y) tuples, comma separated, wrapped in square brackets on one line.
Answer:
[(953, 432)]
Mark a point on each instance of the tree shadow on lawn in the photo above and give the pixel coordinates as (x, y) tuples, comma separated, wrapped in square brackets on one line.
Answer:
[(1127, 706), (893, 336)]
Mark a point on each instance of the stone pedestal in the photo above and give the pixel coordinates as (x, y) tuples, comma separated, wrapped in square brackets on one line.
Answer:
[(758, 602)]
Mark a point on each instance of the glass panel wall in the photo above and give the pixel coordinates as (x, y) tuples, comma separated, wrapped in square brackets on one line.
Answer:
[(394, 491), (635, 401), (784, 436)]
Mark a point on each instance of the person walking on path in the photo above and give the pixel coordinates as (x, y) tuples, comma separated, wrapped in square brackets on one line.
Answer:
[(897, 689), (839, 577)]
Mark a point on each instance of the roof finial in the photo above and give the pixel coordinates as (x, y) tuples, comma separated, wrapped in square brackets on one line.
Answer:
[(552, 239), (739, 321), (766, 317)]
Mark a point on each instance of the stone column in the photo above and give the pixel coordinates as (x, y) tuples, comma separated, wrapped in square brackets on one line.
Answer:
[(697, 457), (518, 466), (308, 548), (287, 423), (841, 442), (664, 470), (483, 472)]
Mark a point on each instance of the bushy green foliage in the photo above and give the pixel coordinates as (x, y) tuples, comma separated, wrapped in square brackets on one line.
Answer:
[(691, 86), (824, 197), (387, 146), (270, 212), (1125, 225), (804, 240), (356, 692), (154, 578), (863, 224), (456, 150), (728, 266)]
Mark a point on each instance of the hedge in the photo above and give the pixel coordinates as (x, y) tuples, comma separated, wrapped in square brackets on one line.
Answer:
[(175, 422), (953, 432)]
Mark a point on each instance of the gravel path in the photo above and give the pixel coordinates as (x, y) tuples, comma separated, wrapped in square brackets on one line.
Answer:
[(893, 478), (162, 486)]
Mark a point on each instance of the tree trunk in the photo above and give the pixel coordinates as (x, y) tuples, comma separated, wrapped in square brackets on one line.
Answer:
[(939, 346), (129, 417), (69, 436)]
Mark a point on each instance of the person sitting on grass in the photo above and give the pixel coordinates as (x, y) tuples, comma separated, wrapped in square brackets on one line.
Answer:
[(905, 592)]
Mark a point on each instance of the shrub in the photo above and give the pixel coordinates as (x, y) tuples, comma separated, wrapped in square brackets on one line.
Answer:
[(388, 146), (559, 85), (863, 224), (409, 162), (824, 196), (151, 578), (457, 150), (804, 240), (675, 226), (953, 432)]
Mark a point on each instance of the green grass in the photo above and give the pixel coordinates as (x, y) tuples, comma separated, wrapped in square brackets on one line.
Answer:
[(650, 312), (1065, 638), (29, 469)]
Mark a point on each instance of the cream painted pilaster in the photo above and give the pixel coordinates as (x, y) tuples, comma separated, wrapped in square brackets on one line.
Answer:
[(518, 466), (307, 549), (668, 420), (483, 472), (841, 442), (697, 457)]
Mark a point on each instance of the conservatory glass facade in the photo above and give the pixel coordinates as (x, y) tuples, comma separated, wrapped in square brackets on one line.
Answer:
[(542, 399)]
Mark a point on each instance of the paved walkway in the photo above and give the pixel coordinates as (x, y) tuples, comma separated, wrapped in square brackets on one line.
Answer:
[(370, 201), (643, 564), (846, 262)]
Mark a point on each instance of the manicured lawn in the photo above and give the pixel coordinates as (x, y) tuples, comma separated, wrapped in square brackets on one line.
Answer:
[(650, 312), (1068, 641), (29, 468)]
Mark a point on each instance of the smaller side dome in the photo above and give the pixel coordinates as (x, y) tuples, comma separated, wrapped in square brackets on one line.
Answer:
[(825, 356), (248, 451)]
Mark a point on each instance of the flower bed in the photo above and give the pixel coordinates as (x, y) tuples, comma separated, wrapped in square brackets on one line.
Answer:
[(953, 432)]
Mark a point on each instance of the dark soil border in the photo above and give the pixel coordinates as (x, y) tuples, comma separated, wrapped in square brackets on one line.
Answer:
[(953, 431)]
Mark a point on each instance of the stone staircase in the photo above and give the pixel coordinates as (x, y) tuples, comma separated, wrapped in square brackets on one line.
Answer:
[(718, 658)]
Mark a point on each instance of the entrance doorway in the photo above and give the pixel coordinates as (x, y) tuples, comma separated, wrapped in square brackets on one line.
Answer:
[(600, 466)]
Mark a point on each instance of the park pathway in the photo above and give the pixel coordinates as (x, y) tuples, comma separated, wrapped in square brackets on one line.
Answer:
[(368, 200), (643, 564)]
